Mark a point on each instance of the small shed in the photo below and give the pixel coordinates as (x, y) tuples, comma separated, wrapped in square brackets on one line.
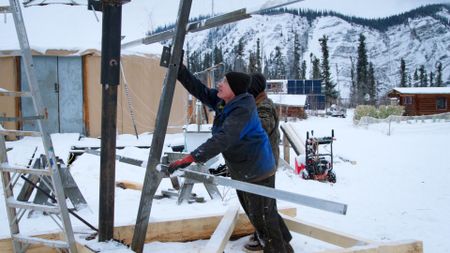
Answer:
[(290, 105), (422, 100)]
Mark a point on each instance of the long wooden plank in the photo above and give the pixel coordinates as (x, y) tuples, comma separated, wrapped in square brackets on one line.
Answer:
[(202, 227), (409, 246), (15, 93), (189, 229), (126, 184), (296, 141), (223, 232), (6, 244), (19, 133), (323, 233)]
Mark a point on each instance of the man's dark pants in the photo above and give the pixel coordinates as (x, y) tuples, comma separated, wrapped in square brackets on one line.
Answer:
[(263, 214)]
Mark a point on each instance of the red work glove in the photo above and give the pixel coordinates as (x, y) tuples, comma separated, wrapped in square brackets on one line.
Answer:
[(180, 163)]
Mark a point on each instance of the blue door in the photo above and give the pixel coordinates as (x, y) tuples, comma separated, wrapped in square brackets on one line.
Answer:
[(46, 74), (70, 95), (60, 85)]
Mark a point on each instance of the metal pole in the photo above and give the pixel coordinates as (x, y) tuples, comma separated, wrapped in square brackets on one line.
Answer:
[(152, 176), (313, 202), (110, 79)]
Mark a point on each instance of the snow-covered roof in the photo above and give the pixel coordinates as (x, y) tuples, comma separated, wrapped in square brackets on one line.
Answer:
[(74, 28), (289, 99), (423, 90)]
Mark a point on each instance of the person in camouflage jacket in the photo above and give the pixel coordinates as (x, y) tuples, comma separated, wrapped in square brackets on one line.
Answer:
[(269, 118), (267, 112)]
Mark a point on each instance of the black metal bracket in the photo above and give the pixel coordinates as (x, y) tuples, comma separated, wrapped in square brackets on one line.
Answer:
[(165, 57), (97, 5)]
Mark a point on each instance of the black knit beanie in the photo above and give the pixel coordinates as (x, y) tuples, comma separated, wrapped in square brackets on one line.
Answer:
[(239, 82), (257, 85)]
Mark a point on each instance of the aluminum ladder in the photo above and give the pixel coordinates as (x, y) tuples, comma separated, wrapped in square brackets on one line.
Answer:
[(15, 209)]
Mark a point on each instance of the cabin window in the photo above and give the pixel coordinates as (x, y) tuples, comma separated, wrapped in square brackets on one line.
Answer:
[(441, 103), (408, 100)]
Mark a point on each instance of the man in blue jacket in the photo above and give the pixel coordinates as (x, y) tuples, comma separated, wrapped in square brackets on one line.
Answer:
[(237, 134)]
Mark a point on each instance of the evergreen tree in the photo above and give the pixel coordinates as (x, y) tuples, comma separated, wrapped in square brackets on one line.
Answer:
[(239, 63), (218, 55), (252, 65), (280, 67), (422, 76), (258, 57), (361, 71), (372, 85), (403, 74), (303, 70), (329, 91), (353, 87), (431, 79), (188, 56), (218, 58), (240, 47), (439, 82), (207, 60), (296, 73), (315, 70), (416, 79), (194, 62), (266, 71)]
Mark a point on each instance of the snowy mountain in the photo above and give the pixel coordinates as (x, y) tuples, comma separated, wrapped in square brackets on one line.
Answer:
[(421, 40)]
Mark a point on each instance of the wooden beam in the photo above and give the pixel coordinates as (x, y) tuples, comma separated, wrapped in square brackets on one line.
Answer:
[(323, 233), (125, 184), (286, 149), (223, 232), (410, 246), (202, 227), (189, 229), (6, 244), (294, 139)]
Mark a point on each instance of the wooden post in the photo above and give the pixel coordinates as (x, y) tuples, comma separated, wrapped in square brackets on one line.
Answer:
[(110, 79), (286, 149)]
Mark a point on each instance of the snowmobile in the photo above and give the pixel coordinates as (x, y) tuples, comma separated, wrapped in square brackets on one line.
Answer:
[(315, 165)]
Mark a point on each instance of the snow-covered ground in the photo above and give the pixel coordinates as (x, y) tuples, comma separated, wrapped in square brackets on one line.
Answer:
[(397, 189)]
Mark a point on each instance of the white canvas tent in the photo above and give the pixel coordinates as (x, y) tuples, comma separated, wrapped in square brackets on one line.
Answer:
[(70, 36)]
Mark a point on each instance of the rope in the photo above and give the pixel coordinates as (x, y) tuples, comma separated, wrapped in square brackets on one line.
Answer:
[(130, 106)]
